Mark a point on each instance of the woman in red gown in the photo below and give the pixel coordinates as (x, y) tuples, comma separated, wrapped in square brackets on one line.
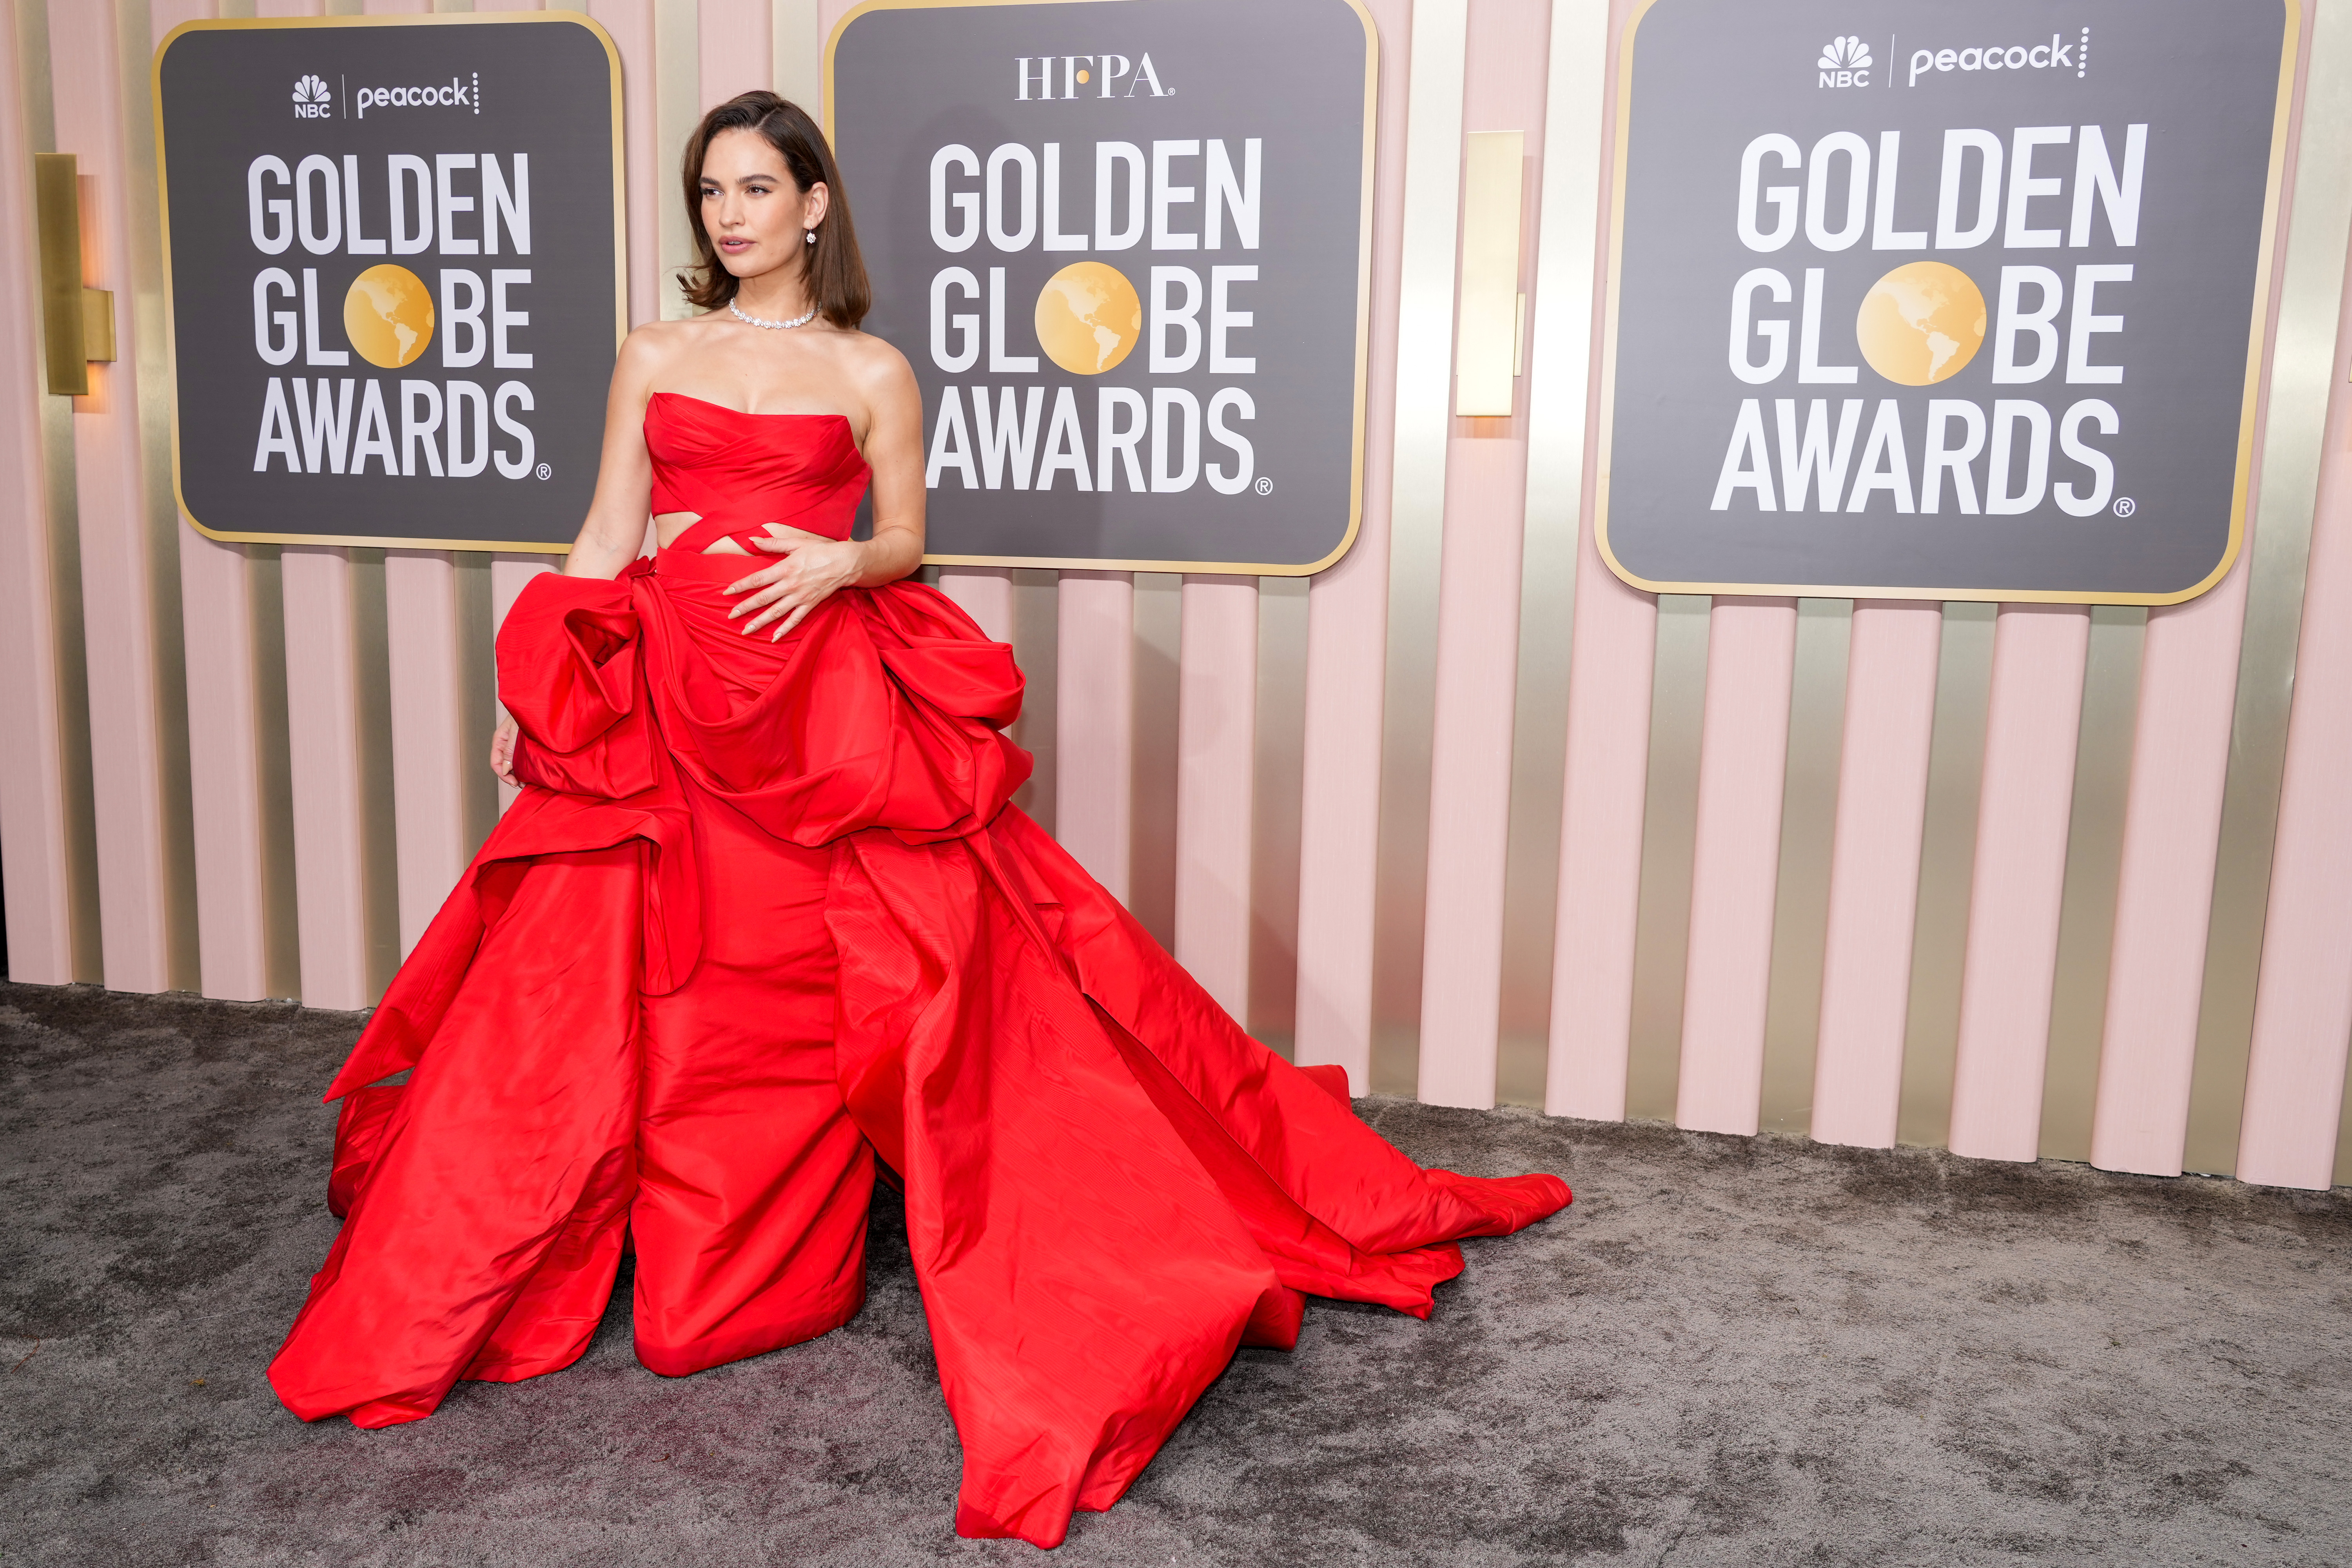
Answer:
[(763, 915)]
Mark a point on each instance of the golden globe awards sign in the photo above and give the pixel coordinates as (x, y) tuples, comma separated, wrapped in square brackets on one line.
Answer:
[(1925, 300), (394, 270), (1124, 244)]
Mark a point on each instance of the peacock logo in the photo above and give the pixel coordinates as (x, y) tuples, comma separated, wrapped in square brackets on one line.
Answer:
[(1844, 62), (311, 100)]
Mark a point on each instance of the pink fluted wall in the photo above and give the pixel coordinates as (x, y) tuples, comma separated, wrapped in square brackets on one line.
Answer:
[(118, 569), (1751, 653), (33, 769), (1890, 715), (2040, 654), (1346, 648)]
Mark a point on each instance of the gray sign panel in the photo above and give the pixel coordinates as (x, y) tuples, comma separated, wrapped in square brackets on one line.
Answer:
[(393, 267), (1124, 244), (1940, 301)]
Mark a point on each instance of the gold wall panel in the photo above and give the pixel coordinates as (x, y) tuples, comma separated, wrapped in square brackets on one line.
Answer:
[(2094, 858), (1152, 854), (1669, 832), (1559, 361), (1801, 903), (1277, 804), (1948, 853), (1037, 647), (1432, 183)]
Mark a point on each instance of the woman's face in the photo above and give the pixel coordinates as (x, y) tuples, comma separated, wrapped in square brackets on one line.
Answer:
[(756, 217)]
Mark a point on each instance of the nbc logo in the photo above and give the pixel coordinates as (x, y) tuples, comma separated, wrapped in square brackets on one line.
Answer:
[(1844, 62), (311, 99)]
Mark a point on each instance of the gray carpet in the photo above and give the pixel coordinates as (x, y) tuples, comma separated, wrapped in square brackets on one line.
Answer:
[(1728, 1351)]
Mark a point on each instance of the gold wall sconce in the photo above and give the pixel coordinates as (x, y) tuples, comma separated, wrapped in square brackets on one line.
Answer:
[(77, 322), (1494, 312)]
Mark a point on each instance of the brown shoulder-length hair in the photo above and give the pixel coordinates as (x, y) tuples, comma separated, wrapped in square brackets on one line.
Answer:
[(836, 272)]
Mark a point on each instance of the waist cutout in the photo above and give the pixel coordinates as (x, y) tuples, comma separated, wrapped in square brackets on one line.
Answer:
[(701, 566)]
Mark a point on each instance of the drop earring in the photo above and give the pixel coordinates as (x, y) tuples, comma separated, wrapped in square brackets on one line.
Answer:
[(810, 234)]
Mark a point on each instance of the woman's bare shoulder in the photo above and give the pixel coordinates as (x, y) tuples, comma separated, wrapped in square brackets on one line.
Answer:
[(653, 346), (875, 364)]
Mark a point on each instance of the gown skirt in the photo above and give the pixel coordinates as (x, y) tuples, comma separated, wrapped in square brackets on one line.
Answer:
[(763, 916)]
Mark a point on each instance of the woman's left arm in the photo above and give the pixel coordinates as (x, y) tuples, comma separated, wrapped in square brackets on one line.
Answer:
[(813, 568)]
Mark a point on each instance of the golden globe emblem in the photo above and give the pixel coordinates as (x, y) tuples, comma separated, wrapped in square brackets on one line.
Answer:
[(388, 316), (1088, 318), (1921, 323)]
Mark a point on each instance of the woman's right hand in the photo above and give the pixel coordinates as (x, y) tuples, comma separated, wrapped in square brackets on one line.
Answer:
[(502, 745)]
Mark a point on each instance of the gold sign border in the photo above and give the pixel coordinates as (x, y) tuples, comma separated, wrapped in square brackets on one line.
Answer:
[(1363, 316), (164, 198), (2249, 404)]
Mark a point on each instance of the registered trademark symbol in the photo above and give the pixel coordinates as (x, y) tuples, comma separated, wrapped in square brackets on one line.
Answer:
[(2126, 506), (545, 472), (1265, 486)]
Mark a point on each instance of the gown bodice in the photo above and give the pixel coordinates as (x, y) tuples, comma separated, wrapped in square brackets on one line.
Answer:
[(742, 471)]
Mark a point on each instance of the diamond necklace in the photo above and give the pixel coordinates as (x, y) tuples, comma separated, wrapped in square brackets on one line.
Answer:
[(800, 320)]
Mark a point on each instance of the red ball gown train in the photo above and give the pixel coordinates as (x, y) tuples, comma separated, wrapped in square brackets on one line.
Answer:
[(761, 915)]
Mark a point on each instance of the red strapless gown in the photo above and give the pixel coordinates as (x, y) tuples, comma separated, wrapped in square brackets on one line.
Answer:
[(761, 914)]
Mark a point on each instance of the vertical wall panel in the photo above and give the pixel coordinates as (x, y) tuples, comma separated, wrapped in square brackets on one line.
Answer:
[(1558, 370), (322, 724), (1346, 638), (1094, 723), (120, 571), (1735, 863), (1424, 401), (1470, 773), (2094, 843), (35, 856), (2164, 898), (1613, 645), (738, 53), (1036, 647), (798, 72), (646, 157), (1669, 817), (1474, 700), (225, 767), (1800, 899), (983, 592), (1882, 806), (1151, 849), (1216, 728), (2040, 654), (1602, 826), (1277, 804), (265, 587), (477, 709), (379, 816), (1947, 862), (678, 107), (428, 748)]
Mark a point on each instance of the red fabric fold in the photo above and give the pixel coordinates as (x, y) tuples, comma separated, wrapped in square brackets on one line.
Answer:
[(761, 914)]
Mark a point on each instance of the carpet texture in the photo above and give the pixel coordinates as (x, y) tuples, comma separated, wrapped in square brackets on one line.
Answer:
[(1737, 1352)]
